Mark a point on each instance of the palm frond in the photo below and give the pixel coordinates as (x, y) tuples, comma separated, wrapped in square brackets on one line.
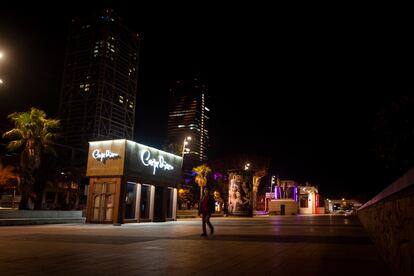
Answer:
[(16, 144), (14, 133)]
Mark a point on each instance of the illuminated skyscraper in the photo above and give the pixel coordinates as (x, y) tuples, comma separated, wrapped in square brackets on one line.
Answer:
[(189, 115), (98, 95)]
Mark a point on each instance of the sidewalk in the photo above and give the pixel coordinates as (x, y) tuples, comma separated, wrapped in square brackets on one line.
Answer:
[(291, 245)]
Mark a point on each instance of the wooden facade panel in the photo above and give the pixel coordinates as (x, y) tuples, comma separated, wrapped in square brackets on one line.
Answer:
[(106, 158)]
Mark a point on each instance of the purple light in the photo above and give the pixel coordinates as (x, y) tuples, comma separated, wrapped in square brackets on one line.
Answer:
[(295, 194), (275, 192), (217, 176)]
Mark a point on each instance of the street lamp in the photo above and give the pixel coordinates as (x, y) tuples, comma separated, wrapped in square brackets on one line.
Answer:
[(185, 142), (247, 166), (1, 57)]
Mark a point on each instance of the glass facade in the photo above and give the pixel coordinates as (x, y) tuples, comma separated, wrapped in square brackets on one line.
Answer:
[(189, 115), (145, 201), (130, 200)]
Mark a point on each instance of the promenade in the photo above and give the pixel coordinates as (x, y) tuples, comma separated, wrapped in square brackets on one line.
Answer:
[(277, 245)]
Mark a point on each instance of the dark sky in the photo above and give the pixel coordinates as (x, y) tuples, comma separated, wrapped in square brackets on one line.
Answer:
[(301, 87)]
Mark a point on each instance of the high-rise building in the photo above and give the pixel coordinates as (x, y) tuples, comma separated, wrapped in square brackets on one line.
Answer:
[(189, 116), (98, 95)]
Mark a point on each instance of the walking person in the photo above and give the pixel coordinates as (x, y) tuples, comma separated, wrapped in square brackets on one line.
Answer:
[(206, 208)]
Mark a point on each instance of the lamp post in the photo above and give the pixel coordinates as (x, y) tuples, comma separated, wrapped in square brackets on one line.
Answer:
[(1, 57)]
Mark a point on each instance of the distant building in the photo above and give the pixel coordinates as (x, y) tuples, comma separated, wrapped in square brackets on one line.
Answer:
[(189, 115), (98, 95), (309, 200), (290, 198), (283, 200)]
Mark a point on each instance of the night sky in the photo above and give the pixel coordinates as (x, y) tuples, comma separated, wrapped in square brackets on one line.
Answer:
[(302, 88)]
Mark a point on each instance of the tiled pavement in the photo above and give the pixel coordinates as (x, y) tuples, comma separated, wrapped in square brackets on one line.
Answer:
[(288, 245)]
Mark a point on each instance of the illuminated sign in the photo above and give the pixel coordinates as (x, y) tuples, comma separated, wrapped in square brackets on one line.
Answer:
[(156, 164), (103, 156), (123, 157)]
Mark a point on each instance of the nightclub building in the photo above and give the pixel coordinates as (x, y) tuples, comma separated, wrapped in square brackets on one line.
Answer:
[(131, 182)]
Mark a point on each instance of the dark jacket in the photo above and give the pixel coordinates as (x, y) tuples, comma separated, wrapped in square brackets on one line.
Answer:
[(211, 204)]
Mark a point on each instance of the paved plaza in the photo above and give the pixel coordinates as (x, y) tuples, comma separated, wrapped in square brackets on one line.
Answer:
[(276, 245)]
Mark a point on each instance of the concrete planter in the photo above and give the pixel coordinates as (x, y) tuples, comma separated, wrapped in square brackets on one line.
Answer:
[(27, 217)]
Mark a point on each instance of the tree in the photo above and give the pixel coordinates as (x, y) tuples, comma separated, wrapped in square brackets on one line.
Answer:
[(201, 178), (393, 135), (6, 174), (258, 175), (176, 149), (32, 134)]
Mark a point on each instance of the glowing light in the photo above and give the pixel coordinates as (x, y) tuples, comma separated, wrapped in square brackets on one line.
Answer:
[(156, 164), (1, 55), (185, 142), (103, 156), (295, 194)]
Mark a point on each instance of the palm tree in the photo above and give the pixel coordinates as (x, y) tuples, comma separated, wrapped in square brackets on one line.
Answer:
[(201, 178), (258, 175), (32, 134)]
